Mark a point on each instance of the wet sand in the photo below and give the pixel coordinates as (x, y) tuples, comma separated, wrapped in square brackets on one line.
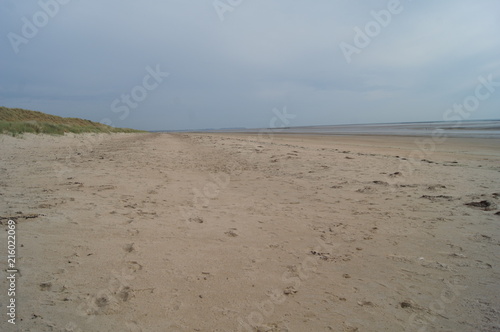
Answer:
[(235, 232)]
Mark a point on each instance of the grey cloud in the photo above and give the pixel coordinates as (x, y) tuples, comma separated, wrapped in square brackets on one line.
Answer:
[(264, 54)]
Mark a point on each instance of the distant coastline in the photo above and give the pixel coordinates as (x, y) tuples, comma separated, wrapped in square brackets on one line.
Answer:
[(471, 128)]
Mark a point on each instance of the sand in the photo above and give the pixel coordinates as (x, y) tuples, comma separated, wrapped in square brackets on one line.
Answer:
[(232, 232)]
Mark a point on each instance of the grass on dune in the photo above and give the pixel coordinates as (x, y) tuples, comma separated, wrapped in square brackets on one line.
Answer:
[(15, 121)]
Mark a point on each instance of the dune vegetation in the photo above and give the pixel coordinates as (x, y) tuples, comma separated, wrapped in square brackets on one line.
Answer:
[(15, 121)]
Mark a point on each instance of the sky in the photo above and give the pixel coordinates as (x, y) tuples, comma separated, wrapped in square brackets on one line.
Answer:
[(177, 64)]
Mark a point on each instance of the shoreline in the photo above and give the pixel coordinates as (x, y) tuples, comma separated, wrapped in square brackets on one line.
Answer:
[(492, 135), (468, 129)]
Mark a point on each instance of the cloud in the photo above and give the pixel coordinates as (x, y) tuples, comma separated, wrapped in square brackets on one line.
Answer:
[(264, 54)]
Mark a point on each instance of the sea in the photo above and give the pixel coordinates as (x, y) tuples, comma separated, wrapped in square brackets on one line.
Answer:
[(475, 128)]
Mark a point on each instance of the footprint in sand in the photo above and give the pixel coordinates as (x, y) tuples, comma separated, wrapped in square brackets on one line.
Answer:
[(366, 190), (231, 232), (134, 266), (129, 247), (197, 220), (45, 286), (435, 187), (133, 232)]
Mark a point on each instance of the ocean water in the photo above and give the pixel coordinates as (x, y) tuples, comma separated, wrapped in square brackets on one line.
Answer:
[(477, 129)]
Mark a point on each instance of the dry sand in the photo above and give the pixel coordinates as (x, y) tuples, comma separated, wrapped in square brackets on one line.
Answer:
[(226, 232)]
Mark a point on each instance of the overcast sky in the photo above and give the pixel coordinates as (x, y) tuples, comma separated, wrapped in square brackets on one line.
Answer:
[(178, 64)]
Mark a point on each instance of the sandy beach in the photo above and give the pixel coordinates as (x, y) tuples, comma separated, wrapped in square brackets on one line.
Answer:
[(235, 232)]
